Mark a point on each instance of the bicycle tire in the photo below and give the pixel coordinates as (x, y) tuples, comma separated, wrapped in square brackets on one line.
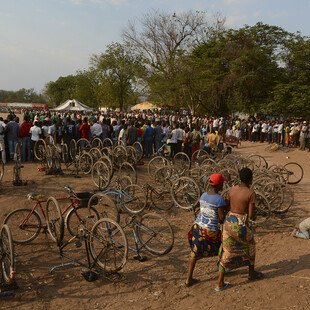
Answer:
[(85, 163), (49, 156), (134, 199), (288, 200), (127, 169), (39, 150), (72, 149), (7, 255), (81, 216), (259, 161), (156, 163), (107, 142), (1, 170), (262, 208), (155, 234), (185, 193), (108, 162), (17, 153), (161, 198), (95, 153), (139, 150), (65, 153), (181, 163), (104, 206), (82, 144), (100, 174), (20, 227), (108, 245), (54, 221), (295, 172), (97, 142)]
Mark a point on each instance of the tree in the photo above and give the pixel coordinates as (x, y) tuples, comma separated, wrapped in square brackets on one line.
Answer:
[(77, 87), (116, 76), (21, 95), (162, 42), (292, 95)]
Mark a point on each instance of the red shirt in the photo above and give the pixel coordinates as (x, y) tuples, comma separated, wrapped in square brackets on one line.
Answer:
[(25, 129), (84, 130)]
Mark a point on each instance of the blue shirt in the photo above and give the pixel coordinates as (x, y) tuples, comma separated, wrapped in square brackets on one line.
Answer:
[(208, 215)]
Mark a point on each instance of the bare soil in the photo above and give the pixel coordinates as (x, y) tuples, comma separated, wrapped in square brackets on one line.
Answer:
[(158, 283)]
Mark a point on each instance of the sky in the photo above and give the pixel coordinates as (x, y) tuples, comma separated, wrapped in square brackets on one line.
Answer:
[(41, 40)]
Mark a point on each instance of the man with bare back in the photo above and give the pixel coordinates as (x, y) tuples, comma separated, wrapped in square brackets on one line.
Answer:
[(238, 244)]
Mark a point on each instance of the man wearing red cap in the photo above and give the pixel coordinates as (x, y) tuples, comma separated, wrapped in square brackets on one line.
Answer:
[(205, 236)]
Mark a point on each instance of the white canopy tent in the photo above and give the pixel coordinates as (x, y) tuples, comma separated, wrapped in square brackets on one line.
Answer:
[(72, 105), (144, 106)]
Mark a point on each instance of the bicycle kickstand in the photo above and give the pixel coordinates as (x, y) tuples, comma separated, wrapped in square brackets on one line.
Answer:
[(139, 257)]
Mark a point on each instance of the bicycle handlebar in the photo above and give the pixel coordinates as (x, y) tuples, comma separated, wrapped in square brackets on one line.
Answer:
[(70, 190)]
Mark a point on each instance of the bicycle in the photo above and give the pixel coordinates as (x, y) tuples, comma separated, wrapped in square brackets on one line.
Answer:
[(105, 242), (152, 233), (26, 223)]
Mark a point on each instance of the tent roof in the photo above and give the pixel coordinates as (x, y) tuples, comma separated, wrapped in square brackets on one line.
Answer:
[(72, 105), (144, 106)]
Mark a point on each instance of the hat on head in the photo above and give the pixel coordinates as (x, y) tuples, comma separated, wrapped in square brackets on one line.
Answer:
[(217, 179)]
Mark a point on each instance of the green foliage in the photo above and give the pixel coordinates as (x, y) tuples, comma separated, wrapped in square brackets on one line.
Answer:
[(21, 95), (115, 75)]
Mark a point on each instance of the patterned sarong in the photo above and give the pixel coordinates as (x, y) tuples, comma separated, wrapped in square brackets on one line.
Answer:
[(238, 245), (203, 242)]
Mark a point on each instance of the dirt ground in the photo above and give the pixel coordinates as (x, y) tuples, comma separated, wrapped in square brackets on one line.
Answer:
[(158, 283)]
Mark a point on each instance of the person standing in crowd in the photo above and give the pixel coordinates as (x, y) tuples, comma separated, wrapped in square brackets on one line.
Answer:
[(148, 139), (158, 136), (35, 132), (25, 137), (132, 134), (69, 131), (12, 133), (2, 141), (238, 243), (205, 236), (85, 129), (303, 136), (96, 130)]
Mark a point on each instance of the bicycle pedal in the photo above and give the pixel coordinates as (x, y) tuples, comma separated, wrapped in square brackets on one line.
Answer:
[(78, 244)]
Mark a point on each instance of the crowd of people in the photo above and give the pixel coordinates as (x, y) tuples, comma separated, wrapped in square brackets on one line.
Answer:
[(181, 131)]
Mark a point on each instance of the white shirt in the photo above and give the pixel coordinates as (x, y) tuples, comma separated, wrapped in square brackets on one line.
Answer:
[(96, 130), (35, 132)]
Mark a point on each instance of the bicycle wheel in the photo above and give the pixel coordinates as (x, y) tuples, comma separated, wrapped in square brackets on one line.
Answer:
[(161, 198), (133, 199), (181, 163), (100, 175), (262, 208), (95, 153), (108, 245), (104, 206), (97, 142), (65, 153), (39, 150), (156, 163), (185, 193), (258, 161), (295, 173), (72, 149), (81, 216), (1, 170), (107, 142), (85, 163), (7, 254), (155, 234), (49, 156), (126, 169), (139, 150), (82, 145), (25, 225), (288, 200), (108, 162), (17, 153), (54, 220)]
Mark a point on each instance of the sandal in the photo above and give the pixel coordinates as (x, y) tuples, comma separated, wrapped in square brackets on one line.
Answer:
[(192, 282), (224, 287), (257, 276)]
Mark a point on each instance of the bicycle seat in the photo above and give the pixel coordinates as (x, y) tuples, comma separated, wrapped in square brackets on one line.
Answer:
[(36, 196)]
